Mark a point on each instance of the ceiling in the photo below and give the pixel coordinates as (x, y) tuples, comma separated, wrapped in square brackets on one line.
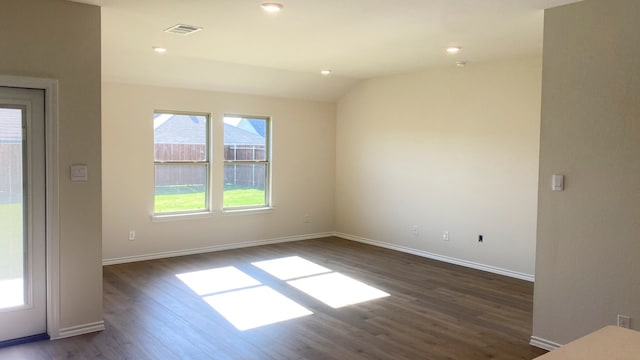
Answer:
[(243, 49)]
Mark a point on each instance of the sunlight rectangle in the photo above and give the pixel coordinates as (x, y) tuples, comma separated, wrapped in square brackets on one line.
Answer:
[(291, 267), (255, 307), (212, 281), (12, 293), (337, 290)]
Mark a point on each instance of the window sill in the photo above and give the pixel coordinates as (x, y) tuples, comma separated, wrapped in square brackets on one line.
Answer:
[(178, 217), (252, 211)]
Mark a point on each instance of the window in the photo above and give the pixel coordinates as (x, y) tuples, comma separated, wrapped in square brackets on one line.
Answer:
[(246, 162), (181, 158)]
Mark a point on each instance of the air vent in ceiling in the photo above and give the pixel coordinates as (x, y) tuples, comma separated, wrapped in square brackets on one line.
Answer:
[(182, 29)]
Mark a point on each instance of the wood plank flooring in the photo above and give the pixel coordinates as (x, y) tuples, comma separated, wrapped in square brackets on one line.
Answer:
[(434, 311)]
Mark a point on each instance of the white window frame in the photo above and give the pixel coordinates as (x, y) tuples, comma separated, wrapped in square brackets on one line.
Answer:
[(267, 185), (207, 162)]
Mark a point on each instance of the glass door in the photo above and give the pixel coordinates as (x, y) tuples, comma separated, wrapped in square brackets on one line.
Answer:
[(22, 214), (12, 209)]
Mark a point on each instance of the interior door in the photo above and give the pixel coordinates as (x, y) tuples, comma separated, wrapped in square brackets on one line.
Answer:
[(22, 214)]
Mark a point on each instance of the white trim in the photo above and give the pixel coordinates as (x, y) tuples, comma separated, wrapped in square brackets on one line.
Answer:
[(247, 211), (168, 254), (544, 344), (184, 216), (447, 259), (50, 87), (80, 330)]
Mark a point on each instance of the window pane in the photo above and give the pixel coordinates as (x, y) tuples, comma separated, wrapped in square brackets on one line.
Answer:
[(12, 205), (245, 139), (244, 185), (179, 137), (180, 188)]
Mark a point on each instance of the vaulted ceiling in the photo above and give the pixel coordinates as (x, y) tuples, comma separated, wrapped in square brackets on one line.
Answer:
[(244, 49)]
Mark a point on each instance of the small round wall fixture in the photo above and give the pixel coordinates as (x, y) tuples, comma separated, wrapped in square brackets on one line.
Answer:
[(159, 49), (326, 72), (453, 50), (271, 7)]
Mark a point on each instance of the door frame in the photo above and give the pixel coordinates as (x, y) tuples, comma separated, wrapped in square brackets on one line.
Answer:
[(52, 227)]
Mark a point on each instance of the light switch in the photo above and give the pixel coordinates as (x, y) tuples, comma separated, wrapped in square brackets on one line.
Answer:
[(557, 182), (79, 172)]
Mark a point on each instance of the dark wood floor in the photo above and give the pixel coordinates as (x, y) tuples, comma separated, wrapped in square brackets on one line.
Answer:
[(435, 311)]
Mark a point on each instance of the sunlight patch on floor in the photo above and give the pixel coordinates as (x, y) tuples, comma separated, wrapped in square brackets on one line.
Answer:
[(291, 267), (248, 304), (212, 281), (11, 293), (244, 301), (255, 307), (337, 290)]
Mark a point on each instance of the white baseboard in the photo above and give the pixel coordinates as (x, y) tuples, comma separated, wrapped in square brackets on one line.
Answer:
[(447, 259), (79, 330), (207, 249), (543, 344)]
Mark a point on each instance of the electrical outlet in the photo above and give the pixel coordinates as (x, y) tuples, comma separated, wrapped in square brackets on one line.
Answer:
[(445, 236), (624, 321), (415, 230), (132, 235)]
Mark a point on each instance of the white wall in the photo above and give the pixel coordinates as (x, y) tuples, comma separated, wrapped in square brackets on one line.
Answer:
[(303, 171), (588, 255), (61, 40), (446, 149)]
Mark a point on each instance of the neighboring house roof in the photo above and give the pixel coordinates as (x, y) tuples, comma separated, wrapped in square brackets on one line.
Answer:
[(255, 126), (181, 129), (260, 125), (189, 129), (236, 136), (10, 126)]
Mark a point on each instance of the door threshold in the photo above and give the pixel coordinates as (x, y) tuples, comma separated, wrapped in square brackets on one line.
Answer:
[(24, 340)]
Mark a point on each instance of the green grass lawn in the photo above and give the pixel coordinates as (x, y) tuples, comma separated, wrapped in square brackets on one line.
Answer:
[(10, 241), (243, 197), (196, 201)]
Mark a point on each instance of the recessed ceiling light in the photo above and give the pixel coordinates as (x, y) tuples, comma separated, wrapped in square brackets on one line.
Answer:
[(271, 7), (453, 50), (461, 64), (325, 72), (159, 50)]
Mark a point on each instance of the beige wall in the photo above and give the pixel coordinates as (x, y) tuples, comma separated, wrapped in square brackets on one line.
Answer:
[(61, 40), (303, 171), (446, 149), (588, 254)]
